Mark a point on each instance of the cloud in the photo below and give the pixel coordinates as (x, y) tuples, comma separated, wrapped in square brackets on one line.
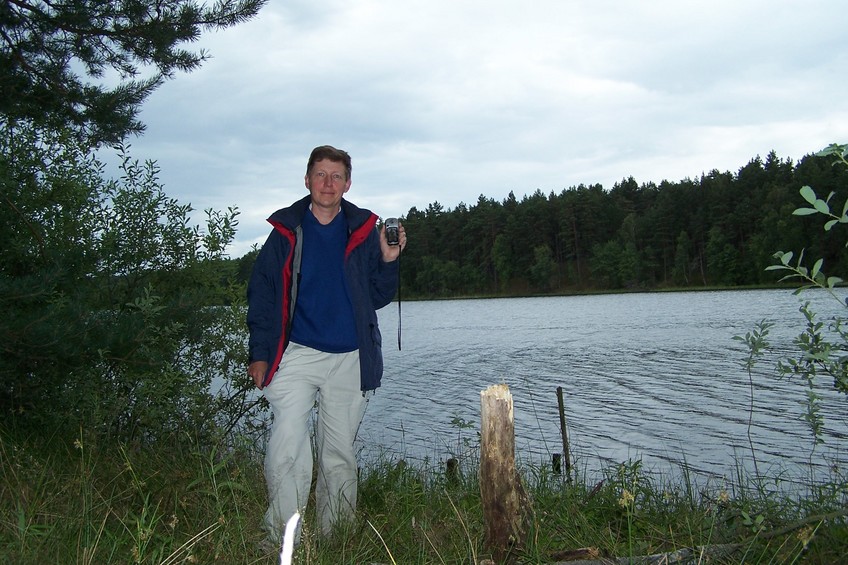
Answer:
[(445, 101)]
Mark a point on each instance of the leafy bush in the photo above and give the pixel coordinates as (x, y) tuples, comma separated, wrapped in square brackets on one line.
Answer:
[(114, 312)]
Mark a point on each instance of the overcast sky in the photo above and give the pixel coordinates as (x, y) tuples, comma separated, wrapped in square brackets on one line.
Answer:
[(445, 100)]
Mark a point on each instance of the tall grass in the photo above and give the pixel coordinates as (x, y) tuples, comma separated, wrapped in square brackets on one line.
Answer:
[(70, 498), (78, 500)]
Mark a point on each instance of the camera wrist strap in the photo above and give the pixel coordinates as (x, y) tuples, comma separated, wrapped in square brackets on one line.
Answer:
[(398, 296)]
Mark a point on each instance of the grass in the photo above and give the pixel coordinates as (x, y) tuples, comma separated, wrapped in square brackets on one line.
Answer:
[(71, 498)]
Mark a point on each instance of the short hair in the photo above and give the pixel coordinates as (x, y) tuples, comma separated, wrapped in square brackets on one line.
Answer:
[(329, 152)]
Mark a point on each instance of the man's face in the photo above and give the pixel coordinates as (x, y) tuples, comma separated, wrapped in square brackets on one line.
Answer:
[(327, 182)]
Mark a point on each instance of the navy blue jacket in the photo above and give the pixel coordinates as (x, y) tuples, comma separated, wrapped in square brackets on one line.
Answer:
[(272, 290)]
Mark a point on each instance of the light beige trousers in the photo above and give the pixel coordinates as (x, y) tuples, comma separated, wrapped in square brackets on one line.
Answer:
[(304, 376)]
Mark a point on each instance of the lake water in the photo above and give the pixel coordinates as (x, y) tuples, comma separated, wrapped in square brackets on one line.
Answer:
[(655, 377)]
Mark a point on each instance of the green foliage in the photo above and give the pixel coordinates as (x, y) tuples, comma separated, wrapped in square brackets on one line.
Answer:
[(44, 46), (717, 230), (822, 349), (815, 354), (543, 268), (757, 343), (502, 259), (115, 314), (722, 258), (77, 499), (437, 277), (606, 263), (72, 496), (117, 311), (680, 273)]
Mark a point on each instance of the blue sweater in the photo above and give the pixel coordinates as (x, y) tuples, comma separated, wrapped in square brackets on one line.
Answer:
[(323, 318)]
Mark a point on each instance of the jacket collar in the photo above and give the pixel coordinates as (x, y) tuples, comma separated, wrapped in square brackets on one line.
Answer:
[(292, 216)]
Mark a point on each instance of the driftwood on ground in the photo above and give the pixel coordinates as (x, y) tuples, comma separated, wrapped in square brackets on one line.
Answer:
[(591, 556)]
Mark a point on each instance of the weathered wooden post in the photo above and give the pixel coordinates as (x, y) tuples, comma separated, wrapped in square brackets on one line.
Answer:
[(505, 503), (566, 451)]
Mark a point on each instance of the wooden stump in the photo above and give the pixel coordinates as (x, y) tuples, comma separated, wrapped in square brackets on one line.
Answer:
[(505, 503)]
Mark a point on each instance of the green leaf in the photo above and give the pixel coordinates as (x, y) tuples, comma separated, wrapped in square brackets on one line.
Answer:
[(833, 281), (808, 194), (804, 211), (829, 197), (822, 206), (829, 224), (817, 268)]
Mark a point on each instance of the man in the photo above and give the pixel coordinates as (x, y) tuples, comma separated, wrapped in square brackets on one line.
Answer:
[(312, 299)]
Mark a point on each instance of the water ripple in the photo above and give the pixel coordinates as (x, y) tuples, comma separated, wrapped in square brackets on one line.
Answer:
[(651, 376)]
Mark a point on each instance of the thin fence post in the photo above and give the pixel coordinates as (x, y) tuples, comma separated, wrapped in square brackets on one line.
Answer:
[(566, 452)]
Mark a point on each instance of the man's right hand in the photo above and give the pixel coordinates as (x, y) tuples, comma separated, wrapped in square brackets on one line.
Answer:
[(257, 371)]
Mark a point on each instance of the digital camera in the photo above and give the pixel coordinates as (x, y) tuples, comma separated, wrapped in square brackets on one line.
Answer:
[(392, 231)]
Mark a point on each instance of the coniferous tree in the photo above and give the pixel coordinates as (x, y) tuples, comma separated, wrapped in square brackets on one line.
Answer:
[(46, 46), (542, 269)]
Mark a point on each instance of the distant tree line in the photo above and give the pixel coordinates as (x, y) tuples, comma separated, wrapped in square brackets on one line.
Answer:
[(721, 229)]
